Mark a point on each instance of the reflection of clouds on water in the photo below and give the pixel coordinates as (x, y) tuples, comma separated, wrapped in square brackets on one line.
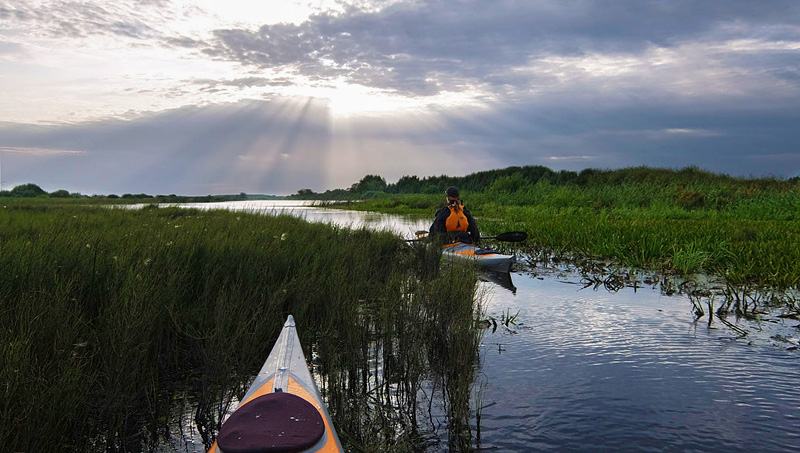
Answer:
[(632, 363), (404, 226)]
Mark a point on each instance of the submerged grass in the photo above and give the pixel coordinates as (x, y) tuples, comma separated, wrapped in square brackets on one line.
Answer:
[(108, 316)]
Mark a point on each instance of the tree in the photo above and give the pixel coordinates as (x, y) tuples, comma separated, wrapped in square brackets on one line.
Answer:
[(27, 191), (369, 182), (430, 188), (59, 194), (508, 184), (408, 184)]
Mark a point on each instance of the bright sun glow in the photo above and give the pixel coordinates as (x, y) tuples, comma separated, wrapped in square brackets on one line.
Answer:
[(348, 100)]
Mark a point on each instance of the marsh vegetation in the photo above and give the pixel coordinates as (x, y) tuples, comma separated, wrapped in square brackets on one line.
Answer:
[(678, 222), (115, 323)]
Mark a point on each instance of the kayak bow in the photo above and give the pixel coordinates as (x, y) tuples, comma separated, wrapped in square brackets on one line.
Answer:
[(282, 410)]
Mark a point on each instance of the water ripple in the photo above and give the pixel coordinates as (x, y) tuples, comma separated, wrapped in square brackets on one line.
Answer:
[(594, 371)]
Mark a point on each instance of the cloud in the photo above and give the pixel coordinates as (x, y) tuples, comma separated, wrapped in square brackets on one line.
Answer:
[(32, 151), (573, 158), (182, 42), (506, 51), (243, 82), (71, 19), (10, 48), (423, 48), (691, 132)]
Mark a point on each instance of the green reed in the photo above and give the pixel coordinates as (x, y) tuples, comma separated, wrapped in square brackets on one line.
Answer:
[(746, 230), (114, 321)]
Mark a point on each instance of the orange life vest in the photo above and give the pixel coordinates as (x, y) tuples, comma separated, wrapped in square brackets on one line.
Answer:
[(456, 221)]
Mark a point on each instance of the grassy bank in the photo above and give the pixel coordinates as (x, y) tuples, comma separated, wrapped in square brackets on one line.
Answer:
[(113, 322), (748, 231)]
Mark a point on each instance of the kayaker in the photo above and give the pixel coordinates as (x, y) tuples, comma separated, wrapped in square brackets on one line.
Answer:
[(455, 220)]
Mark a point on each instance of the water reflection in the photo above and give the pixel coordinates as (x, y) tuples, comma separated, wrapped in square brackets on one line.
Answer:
[(402, 225), (501, 279), (587, 369)]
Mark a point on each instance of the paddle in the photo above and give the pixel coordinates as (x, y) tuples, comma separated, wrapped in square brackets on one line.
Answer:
[(421, 236), (511, 236)]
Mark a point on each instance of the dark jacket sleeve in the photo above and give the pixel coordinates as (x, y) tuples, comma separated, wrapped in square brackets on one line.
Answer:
[(473, 226), (440, 221)]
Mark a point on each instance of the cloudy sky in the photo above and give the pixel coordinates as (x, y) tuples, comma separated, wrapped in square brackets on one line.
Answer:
[(268, 96)]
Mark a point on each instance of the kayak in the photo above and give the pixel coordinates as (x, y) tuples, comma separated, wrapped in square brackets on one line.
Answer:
[(282, 410), (486, 258)]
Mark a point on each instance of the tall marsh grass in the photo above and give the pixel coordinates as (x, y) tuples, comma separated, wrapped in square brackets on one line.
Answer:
[(748, 231), (111, 319)]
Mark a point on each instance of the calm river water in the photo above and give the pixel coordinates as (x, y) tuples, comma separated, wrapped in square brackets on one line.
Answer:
[(593, 370)]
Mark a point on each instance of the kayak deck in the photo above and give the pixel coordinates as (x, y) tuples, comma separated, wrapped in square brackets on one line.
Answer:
[(486, 258), (282, 410)]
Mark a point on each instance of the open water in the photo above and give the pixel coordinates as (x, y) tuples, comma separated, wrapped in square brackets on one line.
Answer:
[(585, 369)]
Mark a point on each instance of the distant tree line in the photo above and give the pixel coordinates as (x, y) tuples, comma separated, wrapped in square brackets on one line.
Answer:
[(511, 179), (504, 180), (34, 191)]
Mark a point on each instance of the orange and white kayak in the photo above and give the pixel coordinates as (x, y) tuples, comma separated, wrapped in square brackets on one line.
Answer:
[(486, 258), (282, 410)]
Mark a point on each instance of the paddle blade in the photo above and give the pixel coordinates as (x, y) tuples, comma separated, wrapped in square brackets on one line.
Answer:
[(512, 236), (421, 234)]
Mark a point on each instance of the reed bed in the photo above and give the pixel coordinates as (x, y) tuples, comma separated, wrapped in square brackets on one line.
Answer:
[(746, 231), (113, 322)]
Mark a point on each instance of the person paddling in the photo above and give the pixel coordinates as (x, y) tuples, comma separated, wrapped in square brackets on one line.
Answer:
[(454, 221)]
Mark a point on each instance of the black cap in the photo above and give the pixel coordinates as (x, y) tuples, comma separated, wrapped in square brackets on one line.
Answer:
[(452, 192)]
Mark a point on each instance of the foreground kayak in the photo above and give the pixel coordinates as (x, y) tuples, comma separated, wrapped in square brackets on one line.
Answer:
[(486, 258), (282, 410)]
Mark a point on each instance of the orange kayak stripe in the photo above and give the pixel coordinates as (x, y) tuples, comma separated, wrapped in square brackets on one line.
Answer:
[(263, 390), (296, 389), (472, 253), (466, 253)]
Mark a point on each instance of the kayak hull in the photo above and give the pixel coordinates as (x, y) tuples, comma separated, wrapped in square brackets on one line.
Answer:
[(285, 371), (485, 258)]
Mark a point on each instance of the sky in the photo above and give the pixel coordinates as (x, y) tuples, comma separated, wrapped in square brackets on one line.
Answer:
[(200, 97)]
